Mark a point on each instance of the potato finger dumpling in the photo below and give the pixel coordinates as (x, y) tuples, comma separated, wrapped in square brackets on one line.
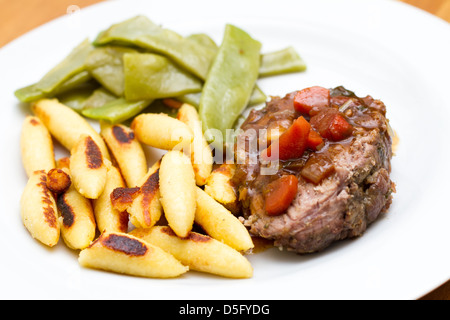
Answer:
[(38, 210), (220, 223), (219, 186), (87, 168), (178, 195), (65, 124), (199, 252), (146, 208), (201, 153), (107, 217), (126, 254), (36, 146), (162, 132), (127, 150), (76, 216), (77, 219)]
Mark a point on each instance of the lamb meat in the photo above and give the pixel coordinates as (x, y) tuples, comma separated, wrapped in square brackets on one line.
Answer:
[(341, 186)]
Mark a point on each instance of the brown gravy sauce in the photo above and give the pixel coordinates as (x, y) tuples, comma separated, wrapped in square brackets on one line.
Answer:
[(261, 244)]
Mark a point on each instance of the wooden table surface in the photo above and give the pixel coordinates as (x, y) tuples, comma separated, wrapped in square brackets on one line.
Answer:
[(19, 16)]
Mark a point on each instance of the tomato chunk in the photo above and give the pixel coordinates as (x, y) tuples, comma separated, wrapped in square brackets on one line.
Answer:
[(281, 194), (331, 125), (314, 97), (315, 141), (291, 144), (340, 129), (317, 168)]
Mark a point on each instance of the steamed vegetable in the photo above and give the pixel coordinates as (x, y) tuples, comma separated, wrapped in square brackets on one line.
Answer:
[(279, 62), (117, 111), (73, 64), (33, 93), (257, 97), (76, 98), (136, 63), (105, 64), (230, 81), (142, 32), (151, 76)]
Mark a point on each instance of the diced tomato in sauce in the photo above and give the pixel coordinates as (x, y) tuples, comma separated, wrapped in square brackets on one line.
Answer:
[(315, 141), (331, 125), (280, 195), (317, 168), (340, 129), (291, 144), (314, 97)]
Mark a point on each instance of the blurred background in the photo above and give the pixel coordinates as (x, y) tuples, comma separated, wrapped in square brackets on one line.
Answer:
[(19, 16)]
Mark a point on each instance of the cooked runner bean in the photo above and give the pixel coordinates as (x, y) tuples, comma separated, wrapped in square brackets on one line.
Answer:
[(32, 93), (257, 97), (86, 97), (106, 65), (137, 61), (204, 40), (99, 98), (126, 32), (230, 81), (76, 98), (73, 64), (151, 76), (279, 62), (116, 111), (142, 32)]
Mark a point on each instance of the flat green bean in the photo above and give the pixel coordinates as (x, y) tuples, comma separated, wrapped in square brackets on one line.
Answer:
[(230, 81), (142, 32), (150, 76), (66, 69), (76, 98), (280, 62), (106, 65), (117, 111), (86, 97), (125, 33), (133, 64), (29, 93), (99, 98), (272, 63), (204, 40), (32, 93), (257, 97)]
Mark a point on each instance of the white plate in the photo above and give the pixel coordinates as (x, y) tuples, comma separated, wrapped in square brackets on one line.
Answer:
[(383, 48)]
